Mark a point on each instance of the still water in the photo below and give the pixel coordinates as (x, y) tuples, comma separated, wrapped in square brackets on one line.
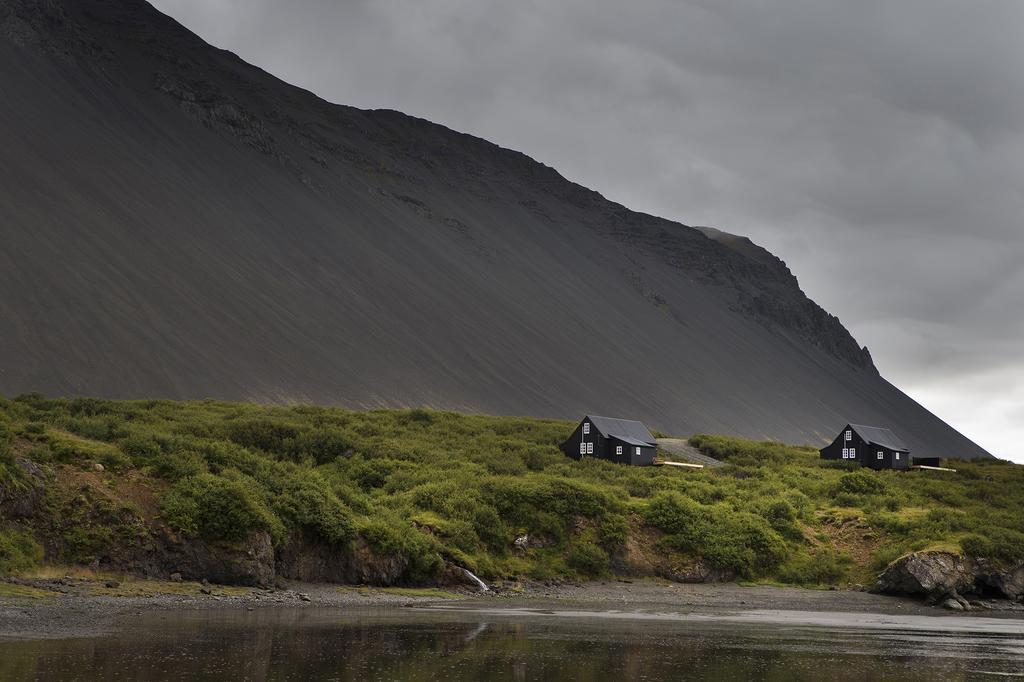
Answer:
[(525, 644)]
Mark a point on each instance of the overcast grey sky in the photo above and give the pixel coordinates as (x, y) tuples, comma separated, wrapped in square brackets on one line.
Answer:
[(876, 147)]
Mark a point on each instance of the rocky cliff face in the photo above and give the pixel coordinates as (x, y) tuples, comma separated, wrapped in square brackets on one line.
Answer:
[(195, 227)]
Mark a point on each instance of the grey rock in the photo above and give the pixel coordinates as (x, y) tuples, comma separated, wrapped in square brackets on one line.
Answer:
[(699, 572), (22, 501), (952, 605), (933, 575), (250, 562), (1008, 582), (303, 558)]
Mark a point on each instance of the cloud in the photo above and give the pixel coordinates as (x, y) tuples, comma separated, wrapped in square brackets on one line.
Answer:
[(877, 147)]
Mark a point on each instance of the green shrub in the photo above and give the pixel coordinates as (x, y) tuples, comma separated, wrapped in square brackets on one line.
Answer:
[(221, 508), (1001, 544), (827, 567), (322, 445), (781, 516), (305, 500), (371, 473), (587, 559), (6, 440), (141, 445), (269, 435), (177, 465), (614, 531), (731, 540), (885, 556), (19, 552), (97, 428), (83, 543), (34, 428), (491, 530), (421, 553), (862, 482)]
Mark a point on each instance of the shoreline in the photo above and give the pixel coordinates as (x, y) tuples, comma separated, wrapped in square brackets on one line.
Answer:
[(93, 607)]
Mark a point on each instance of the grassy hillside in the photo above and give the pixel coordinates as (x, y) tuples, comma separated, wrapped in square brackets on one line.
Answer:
[(434, 487)]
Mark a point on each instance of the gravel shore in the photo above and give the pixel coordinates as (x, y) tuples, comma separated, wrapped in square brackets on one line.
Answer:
[(66, 608)]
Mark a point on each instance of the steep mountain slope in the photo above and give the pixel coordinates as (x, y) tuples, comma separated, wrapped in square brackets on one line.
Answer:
[(178, 223)]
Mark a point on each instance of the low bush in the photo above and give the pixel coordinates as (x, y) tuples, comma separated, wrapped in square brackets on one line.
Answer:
[(587, 559), (1001, 544), (305, 500), (736, 541), (420, 552), (826, 567), (19, 552), (221, 508), (862, 482), (6, 440)]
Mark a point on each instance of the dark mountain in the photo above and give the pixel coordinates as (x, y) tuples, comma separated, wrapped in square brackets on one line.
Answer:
[(176, 222)]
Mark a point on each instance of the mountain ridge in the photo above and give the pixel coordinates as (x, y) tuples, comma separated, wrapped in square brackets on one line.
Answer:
[(395, 215)]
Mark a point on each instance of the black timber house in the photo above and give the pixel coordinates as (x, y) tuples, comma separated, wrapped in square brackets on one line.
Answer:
[(870, 446), (618, 440)]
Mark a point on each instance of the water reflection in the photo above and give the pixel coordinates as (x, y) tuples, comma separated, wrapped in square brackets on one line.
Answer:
[(397, 644)]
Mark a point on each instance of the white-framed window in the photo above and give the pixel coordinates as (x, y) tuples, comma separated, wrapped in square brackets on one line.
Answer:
[(590, 448), (618, 449), (583, 448), (586, 427), (897, 455), (849, 435), (880, 454), (638, 449), (853, 453), (846, 453)]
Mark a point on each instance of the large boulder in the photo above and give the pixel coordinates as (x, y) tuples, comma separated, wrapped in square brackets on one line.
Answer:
[(1004, 581), (936, 576)]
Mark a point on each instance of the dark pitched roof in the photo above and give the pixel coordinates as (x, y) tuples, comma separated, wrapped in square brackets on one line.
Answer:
[(622, 429), (880, 436)]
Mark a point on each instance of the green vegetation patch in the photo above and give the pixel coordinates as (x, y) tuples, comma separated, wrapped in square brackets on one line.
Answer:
[(19, 552), (406, 492)]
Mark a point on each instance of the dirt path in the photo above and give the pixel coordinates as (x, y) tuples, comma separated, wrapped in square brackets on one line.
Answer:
[(680, 449)]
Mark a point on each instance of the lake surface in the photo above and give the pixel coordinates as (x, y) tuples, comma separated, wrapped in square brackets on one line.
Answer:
[(459, 643)]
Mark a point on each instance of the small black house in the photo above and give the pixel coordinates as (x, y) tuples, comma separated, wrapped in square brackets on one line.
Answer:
[(871, 446), (617, 440)]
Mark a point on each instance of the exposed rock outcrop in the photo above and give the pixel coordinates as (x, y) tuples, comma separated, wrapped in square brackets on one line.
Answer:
[(357, 564), (941, 577), (989, 577), (250, 562), (20, 498)]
